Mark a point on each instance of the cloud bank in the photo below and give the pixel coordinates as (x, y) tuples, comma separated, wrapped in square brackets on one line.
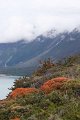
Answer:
[(25, 19)]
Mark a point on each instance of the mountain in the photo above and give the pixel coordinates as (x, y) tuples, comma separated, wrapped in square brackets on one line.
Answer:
[(23, 54)]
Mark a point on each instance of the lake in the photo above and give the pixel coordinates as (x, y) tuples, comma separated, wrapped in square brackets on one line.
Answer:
[(5, 83)]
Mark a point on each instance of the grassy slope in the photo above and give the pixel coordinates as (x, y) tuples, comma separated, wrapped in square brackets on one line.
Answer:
[(61, 104)]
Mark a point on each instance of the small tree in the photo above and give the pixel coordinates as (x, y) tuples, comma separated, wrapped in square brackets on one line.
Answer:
[(44, 66)]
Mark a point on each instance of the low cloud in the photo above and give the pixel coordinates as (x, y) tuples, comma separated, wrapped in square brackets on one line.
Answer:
[(25, 19)]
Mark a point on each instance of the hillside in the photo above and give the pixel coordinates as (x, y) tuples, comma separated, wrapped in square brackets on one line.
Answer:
[(51, 93), (22, 54)]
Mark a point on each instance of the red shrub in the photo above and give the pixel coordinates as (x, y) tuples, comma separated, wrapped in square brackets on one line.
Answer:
[(16, 119), (22, 91), (55, 83), (60, 79)]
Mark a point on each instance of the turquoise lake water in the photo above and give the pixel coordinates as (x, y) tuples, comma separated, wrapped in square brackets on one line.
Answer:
[(5, 83)]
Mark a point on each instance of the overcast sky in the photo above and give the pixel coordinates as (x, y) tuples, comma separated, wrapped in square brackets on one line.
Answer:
[(27, 18)]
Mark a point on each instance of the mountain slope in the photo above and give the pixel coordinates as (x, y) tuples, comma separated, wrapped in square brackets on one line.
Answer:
[(63, 45), (51, 44)]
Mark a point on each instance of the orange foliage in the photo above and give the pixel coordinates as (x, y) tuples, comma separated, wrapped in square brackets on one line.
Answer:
[(47, 87), (22, 91), (16, 119), (55, 83)]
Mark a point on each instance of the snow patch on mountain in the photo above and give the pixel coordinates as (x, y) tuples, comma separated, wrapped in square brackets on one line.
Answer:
[(8, 60), (72, 39), (62, 37), (40, 40), (50, 34)]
